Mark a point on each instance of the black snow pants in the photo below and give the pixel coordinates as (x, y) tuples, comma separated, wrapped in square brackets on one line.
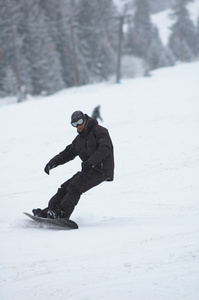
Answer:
[(70, 191)]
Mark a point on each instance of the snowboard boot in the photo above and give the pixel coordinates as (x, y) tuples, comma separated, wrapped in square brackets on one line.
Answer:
[(38, 212), (56, 214)]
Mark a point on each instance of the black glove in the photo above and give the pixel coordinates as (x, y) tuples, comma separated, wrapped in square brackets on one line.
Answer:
[(86, 166), (53, 163), (47, 169)]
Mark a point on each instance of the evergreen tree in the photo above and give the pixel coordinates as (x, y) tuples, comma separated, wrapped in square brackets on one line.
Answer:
[(9, 82), (45, 66), (144, 41), (157, 55), (8, 43), (157, 5), (183, 38), (58, 15), (96, 38), (198, 36), (48, 45), (140, 32)]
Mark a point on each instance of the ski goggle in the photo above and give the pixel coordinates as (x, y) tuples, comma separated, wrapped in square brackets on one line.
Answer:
[(79, 122)]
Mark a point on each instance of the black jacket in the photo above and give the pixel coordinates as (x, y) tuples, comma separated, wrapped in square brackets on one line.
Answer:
[(94, 145)]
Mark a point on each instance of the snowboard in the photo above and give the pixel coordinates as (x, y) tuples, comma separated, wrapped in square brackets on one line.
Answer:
[(61, 222)]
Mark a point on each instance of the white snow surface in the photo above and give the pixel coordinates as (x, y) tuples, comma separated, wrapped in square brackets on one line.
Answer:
[(138, 236)]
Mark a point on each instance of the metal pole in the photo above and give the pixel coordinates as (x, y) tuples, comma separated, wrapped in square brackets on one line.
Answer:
[(119, 53), (19, 96), (76, 71), (76, 75)]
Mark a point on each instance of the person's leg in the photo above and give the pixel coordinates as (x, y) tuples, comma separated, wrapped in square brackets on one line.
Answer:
[(79, 183), (54, 202)]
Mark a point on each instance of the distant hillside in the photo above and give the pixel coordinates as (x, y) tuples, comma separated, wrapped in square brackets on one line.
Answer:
[(163, 21), (160, 5), (155, 5)]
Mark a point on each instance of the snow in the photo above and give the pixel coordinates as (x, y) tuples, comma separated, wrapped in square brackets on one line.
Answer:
[(120, 4), (163, 21), (137, 236), (194, 10)]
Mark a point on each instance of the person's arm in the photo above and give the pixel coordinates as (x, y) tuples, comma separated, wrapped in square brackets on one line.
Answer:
[(64, 156)]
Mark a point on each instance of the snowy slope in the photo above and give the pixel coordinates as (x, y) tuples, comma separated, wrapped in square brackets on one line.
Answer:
[(163, 21), (138, 236)]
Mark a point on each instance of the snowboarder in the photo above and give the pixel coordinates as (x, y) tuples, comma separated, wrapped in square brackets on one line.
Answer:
[(96, 113), (94, 147)]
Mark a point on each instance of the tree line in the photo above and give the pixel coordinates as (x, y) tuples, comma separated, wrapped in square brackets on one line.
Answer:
[(48, 45)]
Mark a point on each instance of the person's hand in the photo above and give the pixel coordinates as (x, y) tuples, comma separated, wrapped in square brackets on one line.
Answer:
[(47, 169), (53, 163)]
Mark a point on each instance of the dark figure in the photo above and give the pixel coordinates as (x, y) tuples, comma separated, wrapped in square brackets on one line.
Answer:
[(96, 113), (94, 147)]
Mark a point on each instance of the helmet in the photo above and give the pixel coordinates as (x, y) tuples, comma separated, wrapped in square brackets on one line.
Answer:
[(77, 115)]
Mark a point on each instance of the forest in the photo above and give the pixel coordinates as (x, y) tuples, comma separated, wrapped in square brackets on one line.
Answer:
[(47, 45)]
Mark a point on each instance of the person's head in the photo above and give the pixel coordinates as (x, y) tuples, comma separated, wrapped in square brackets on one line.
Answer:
[(78, 120)]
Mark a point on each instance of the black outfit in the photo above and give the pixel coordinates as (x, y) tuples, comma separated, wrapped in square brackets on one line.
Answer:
[(96, 113), (94, 147)]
